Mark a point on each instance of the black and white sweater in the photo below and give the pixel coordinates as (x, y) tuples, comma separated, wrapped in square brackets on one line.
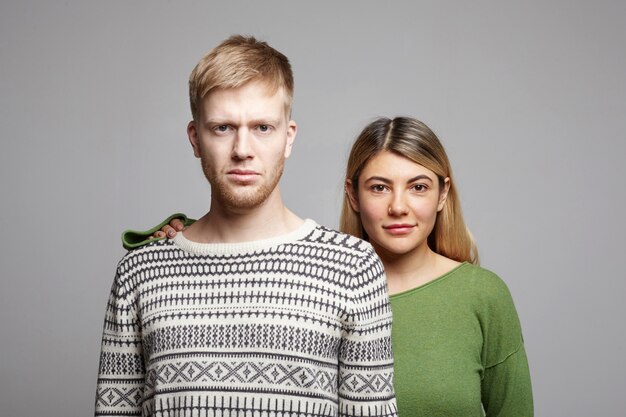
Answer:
[(298, 325)]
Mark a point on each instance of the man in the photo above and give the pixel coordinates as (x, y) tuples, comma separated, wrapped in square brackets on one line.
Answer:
[(251, 311)]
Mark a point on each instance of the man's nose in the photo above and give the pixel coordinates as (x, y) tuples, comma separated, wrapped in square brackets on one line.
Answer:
[(242, 147)]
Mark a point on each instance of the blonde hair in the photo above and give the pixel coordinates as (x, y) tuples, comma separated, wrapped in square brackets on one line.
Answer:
[(411, 139), (235, 62)]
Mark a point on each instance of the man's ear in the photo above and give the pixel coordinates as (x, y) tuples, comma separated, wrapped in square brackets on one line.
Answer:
[(351, 193), (192, 133), (443, 195), (292, 130)]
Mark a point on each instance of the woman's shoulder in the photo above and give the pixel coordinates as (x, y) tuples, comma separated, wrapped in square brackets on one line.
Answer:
[(481, 276), (485, 284)]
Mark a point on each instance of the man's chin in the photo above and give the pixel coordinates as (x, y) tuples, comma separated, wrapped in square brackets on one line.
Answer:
[(245, 199), (242, 197)]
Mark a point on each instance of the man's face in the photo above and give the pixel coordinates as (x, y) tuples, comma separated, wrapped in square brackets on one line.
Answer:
[(242, 137)]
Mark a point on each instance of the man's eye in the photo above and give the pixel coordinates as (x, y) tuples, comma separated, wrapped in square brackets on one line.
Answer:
[(264, 128), (221, 128)]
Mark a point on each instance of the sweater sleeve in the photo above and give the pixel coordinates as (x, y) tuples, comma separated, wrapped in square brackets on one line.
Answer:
[(505, 389), (121, 372), (136, 238), (365, 356)]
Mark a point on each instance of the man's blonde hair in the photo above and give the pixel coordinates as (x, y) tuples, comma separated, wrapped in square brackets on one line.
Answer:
[(235, 62)]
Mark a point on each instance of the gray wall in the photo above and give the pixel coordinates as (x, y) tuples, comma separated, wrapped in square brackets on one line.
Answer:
[(529, 98)]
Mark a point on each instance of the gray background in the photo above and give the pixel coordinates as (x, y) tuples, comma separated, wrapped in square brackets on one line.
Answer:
[(529, 99)]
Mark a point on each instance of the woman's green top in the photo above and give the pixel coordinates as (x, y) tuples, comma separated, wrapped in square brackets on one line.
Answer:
[(458, 348)]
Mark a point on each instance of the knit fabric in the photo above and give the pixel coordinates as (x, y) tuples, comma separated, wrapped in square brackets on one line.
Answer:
[(298, 325), (458, 348)]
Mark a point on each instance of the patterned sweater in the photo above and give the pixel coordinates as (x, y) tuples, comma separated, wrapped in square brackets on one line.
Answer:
[(298, 325)]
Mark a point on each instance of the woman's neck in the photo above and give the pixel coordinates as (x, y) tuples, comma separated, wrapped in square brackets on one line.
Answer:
[(413, 269)]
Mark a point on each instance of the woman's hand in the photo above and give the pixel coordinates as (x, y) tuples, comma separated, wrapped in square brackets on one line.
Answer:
[(170, 230)]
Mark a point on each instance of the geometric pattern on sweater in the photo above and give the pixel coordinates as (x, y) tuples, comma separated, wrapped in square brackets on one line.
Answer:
[(242, 372), (306, 341), (294, 326)]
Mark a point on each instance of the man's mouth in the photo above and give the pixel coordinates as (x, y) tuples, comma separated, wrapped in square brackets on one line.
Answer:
[(242, 175)]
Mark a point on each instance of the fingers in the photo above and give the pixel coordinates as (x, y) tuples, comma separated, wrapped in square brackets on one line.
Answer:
[(177, 224), (166, 231), (169, 231)]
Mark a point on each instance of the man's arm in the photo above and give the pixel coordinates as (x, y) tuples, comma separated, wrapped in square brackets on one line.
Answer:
[(365, 356), (121, 371)]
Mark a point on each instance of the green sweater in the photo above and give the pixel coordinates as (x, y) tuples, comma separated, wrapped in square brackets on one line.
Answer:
[(457, 345), (458, 348)]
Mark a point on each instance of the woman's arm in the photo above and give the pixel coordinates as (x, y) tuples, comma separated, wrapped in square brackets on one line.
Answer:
[(132, 239), (505, 388)]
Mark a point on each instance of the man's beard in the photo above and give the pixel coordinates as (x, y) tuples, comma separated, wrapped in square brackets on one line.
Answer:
[(242, 197)]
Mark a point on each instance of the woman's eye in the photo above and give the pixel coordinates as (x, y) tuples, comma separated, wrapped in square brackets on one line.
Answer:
[(419, 188), (378, 188)]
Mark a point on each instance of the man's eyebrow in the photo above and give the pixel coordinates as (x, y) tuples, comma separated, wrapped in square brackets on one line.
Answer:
[(265, 121), (218, 121), (255, 121), (209, 123)]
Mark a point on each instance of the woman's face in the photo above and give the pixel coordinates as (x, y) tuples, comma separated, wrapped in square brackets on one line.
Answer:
[(397, 201)]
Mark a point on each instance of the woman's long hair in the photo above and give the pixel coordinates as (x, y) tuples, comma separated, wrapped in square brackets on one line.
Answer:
[(411, 139)]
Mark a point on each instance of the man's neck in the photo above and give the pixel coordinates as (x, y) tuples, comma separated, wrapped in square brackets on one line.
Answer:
[(228, 225)]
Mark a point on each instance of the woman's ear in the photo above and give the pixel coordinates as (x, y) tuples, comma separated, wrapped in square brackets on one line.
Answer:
[(351, 193), (443, 195)]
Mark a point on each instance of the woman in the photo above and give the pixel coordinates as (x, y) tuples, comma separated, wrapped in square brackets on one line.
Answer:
[(457, 340), (456, 336)]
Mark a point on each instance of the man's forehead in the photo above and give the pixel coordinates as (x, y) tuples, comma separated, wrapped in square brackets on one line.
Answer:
[(261, 88), (251, 99)]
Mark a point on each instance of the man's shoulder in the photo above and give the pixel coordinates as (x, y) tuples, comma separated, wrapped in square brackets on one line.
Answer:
[(156, 250), (338, 246), (334, 239), (354, 258)]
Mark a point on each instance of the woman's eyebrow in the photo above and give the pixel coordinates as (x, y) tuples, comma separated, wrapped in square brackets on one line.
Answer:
[(377, 178), (420, 177), (388, 181)]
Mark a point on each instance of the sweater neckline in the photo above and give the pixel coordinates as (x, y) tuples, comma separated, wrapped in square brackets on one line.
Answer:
[(440, 278), (198, 248)]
